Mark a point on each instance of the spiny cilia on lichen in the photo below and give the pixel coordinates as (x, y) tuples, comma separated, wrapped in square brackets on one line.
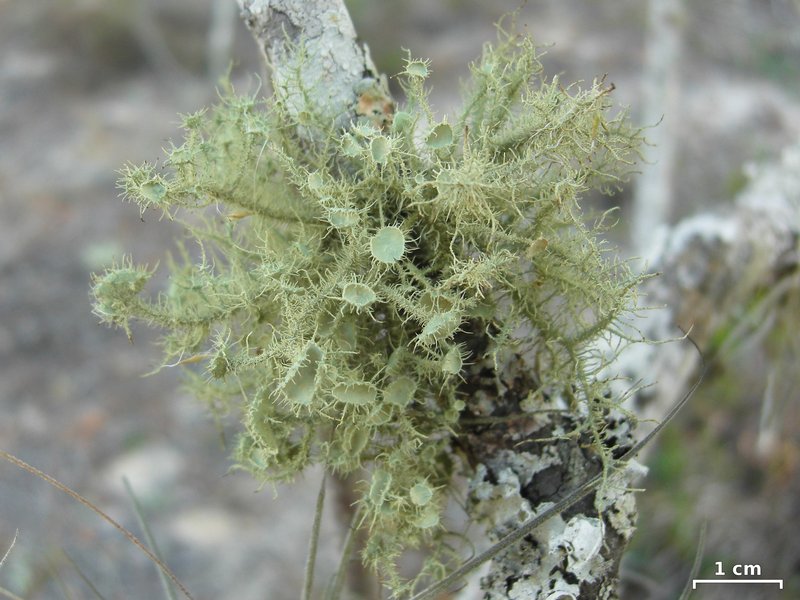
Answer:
[(342, 283)]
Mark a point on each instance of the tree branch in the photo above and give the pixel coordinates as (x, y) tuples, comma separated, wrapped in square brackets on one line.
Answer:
[(524, 469), (311, 47), (713, 266)]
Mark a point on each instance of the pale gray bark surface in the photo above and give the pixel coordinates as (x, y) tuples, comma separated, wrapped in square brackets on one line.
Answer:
[(520, 471), (711, 267), (311, 49), (654, 189)]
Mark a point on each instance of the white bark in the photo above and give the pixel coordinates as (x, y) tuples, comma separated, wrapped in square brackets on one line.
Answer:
[(221, 30), (712, 266), (311, 48), (653, 190)]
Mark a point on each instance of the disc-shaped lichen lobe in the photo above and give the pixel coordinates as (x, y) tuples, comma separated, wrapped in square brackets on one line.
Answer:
[(359, 393), (400, 392), (388, 244), (358, 294)]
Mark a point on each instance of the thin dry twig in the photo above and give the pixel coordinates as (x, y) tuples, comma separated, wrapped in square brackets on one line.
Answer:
[(75, 495)]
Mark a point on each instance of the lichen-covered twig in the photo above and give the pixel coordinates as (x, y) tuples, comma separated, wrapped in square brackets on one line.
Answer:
[(541, 518), (404, 298)]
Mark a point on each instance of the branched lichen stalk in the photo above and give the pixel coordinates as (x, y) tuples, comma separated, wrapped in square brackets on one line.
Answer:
[(369, 281)]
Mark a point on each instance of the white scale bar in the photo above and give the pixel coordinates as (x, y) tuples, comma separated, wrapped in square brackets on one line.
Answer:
[(696, 581)]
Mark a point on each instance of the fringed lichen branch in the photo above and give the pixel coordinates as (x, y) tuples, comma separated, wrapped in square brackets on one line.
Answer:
[(351, 294)]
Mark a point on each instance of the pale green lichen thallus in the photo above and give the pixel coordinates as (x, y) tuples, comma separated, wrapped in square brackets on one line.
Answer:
[(337, 284)]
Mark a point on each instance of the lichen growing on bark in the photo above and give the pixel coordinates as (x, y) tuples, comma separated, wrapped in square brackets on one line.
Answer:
[(343, 285)]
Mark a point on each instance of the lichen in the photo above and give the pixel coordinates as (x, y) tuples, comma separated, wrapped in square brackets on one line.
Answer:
[(339, 286)]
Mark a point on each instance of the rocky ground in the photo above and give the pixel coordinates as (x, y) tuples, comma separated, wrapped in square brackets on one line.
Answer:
[(86, 85)]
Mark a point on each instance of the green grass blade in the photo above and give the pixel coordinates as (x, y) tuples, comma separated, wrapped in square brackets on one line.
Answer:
[(83, 577), (335, 590), (308, 580), (169, 593), (698, 559)]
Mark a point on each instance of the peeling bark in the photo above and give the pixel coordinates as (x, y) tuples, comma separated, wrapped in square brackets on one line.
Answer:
[(521, 470)]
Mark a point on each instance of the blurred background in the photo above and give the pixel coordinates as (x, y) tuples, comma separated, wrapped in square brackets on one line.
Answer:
[(88, 85)]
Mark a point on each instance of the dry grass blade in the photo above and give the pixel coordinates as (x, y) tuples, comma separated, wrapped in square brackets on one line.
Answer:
[(9, 594), (11, 547), (131, 538)]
